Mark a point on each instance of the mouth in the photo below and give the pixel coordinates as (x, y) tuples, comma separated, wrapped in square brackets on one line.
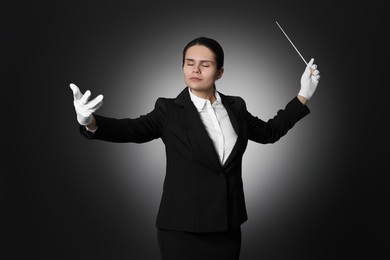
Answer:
[(195, 79)]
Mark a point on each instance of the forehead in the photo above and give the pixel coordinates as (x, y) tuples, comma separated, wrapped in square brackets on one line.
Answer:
[(200, 52)]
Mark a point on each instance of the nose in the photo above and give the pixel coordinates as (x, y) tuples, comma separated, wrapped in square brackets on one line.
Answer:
[(196, 69)]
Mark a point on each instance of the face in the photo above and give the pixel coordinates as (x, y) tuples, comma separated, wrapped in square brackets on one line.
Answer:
[(200, 69)]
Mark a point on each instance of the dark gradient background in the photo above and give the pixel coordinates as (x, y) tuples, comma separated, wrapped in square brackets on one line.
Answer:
[(319, 193)]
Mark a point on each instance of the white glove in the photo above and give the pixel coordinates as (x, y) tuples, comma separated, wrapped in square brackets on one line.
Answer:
[(83, 107), (309, 80)]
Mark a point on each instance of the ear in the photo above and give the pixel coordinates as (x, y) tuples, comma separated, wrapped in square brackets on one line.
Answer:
[(220, 73)]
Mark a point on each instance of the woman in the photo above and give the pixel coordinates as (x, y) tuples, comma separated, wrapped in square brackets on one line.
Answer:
[(205, 135)]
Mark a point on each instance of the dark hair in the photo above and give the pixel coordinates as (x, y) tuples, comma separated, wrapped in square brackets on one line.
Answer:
[(213, 45)]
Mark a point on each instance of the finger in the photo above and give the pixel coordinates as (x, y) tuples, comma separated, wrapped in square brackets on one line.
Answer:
[(315, 78), (310, 62), (316, 72), (308, 70), (76, 91), (96, 103), (313, 68), (85, 97), (97, 106)]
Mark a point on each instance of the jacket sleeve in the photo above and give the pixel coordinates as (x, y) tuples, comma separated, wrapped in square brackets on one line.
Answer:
[(139, 130), (271, 131)]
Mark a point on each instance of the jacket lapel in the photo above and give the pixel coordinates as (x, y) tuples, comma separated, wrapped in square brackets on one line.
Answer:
[(197, 133), (198, 136)]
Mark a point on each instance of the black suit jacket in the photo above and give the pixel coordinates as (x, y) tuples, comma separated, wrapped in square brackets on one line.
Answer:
[(199, 194)]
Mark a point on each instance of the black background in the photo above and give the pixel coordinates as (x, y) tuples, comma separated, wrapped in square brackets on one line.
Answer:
[(63, 198)]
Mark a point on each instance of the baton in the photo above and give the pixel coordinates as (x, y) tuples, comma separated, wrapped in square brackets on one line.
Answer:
[(291, 43)]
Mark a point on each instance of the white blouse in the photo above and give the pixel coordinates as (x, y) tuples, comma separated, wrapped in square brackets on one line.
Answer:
[(217, 123)]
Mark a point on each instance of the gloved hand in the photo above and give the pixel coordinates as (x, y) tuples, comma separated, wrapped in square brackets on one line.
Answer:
[(309, 80), (83, 107)]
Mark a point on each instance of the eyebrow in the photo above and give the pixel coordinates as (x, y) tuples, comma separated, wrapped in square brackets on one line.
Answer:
[(187, 59)]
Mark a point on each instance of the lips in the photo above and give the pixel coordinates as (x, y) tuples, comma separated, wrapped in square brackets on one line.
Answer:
[(195, 79)]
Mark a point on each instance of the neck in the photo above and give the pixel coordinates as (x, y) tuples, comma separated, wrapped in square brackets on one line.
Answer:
[(205, 94)]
